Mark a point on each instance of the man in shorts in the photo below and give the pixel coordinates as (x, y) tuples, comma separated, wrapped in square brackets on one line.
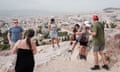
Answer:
[(98, 43)]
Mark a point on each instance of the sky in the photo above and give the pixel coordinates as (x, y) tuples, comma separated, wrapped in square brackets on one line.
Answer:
[(58, 5)]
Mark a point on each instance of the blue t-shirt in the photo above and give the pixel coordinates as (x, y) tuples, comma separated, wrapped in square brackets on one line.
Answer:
[(15, 33)]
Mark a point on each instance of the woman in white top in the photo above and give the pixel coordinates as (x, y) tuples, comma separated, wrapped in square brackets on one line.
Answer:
[(52, 27)]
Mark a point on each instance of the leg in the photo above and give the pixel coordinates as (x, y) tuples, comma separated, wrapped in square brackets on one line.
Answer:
[(81, 50), (103, 57), (74, 45), (57, 41), (84, 50), (71, 37), (52, 42), (96, 58), (102, 54), (95, 54), (105, 66)]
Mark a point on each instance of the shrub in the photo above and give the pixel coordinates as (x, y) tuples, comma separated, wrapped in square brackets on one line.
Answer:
[(4, 47), (113, 25)]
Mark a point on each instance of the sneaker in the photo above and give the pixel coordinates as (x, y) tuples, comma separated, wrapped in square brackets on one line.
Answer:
[(96, 67), (105, 67), (70, 51), (81, 56), (84, 57)]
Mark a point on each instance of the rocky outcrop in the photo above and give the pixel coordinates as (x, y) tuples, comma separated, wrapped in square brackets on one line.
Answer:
[(56, 59)]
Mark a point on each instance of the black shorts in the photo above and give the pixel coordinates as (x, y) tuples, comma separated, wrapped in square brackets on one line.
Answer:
[(83, 43)]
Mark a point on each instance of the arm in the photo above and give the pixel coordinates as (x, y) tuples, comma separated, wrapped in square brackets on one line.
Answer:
[(81, 32), (9, 37), (49, 27), (34, 48), (94, 31), (22, 35), (13, 50)]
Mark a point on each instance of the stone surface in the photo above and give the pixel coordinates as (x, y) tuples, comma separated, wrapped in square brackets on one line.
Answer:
[(59, 60)]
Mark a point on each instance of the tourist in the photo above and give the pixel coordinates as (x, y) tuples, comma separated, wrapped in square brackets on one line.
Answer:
[(73, 37), (15, 33), (84, 39), (52, 27), (25, 48), (98, 43)]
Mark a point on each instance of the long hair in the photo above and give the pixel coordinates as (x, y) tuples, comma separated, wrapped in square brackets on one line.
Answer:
[(29, 35), (74, 29)]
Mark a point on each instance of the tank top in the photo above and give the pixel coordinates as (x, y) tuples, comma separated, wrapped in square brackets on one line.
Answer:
[(53, 27)]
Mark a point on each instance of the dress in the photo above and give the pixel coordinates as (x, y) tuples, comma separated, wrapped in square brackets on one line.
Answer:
[(25, 61)]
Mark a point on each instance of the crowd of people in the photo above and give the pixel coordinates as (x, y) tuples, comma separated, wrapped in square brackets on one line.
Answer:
[(25, 47)]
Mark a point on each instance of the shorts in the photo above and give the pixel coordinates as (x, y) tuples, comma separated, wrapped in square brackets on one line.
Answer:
[(84, 43), (98, 48), (53, 34)]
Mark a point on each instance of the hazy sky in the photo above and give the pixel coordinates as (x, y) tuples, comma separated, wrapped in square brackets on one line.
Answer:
[(58, 5)]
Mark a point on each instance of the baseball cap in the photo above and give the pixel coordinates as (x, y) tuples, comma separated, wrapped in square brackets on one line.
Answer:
[(95, 17)]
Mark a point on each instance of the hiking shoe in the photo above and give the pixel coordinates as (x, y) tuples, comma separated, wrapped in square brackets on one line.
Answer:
[(96, 67), (105, 67)]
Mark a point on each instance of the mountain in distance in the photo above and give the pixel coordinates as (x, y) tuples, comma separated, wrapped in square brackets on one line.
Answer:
[(111, 9), (28, 12)]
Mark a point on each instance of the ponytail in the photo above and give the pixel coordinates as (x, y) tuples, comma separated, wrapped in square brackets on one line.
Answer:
[(30, 34), (28, 41)]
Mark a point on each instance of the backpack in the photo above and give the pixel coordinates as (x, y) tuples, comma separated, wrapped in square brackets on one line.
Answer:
[(84, 37)]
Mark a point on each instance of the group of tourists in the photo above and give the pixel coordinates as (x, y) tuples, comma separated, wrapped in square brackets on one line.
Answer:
[(81, 35), (25, 47)]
